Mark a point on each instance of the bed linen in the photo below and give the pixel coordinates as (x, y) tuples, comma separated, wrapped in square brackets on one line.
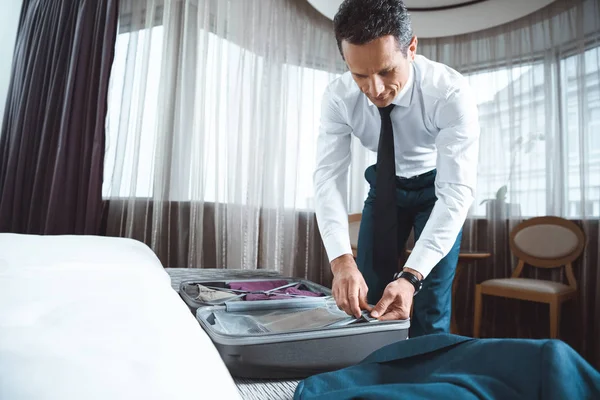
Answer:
[(85, 317)]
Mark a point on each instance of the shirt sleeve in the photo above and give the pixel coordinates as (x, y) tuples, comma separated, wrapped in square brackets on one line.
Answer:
[(331, 176), (457, 156)]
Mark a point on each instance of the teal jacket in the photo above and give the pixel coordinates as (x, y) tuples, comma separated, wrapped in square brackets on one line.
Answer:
[(444, 366)]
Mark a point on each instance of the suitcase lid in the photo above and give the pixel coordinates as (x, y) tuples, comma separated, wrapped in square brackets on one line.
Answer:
[(190, 291)]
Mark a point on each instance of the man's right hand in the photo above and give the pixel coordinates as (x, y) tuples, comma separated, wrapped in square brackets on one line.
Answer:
[(349, 287)]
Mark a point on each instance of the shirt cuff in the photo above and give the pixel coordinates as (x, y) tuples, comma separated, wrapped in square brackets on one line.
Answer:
[(337, 244), (423, 259)]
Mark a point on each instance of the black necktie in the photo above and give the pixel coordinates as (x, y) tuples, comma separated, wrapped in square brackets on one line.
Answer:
[(385, 240)]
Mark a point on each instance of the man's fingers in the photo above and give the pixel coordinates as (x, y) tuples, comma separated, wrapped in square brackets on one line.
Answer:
[(353, 301), (343, 304), (362, 294), (381, 307), (335, 292), (362, 300), (337, 295), (340, 297), (364, 305), (393, 315)]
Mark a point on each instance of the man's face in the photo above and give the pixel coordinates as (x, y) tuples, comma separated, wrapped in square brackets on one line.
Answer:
[(379, 68)]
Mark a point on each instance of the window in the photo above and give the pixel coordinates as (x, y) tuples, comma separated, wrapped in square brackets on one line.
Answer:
[(512, 114), (581, 106), (305, 87), (548, 167), (130, 136), (223, 130), (540, 128)]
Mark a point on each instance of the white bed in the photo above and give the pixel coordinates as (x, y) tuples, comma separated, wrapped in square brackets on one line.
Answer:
[(85, 317)]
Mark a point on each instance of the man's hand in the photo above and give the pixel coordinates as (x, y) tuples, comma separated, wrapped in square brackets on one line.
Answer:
[(396, 301), (349, 287)]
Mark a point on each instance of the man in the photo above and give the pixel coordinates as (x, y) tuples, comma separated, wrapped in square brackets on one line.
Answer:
[(421, 118)]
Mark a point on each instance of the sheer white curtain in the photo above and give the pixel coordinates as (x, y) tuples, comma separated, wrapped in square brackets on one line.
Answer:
[(214, 111)]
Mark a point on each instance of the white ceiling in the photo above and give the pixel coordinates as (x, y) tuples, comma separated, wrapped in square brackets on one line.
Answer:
[(433, 3), (470, 17)]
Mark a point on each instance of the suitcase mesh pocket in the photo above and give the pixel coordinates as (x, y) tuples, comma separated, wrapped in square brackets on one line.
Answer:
[(278, 321)]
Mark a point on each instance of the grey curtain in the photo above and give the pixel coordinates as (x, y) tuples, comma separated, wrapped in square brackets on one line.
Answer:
[(52, 138)]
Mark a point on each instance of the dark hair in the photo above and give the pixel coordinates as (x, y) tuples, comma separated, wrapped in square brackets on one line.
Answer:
[(360, 21)]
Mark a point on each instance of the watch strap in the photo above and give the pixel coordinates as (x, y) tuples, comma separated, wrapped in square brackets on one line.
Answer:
[(412, 278)]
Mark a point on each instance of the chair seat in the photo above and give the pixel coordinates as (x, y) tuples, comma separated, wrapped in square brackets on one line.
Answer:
[(530, 285)]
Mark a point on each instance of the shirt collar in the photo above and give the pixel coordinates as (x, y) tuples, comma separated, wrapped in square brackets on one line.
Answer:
[(404, 98)]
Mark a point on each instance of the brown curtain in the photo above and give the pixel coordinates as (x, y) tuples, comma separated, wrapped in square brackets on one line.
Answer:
[(137, 217), (52, 138)]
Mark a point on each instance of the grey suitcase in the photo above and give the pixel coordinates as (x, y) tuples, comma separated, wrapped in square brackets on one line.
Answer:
[(286, 338)]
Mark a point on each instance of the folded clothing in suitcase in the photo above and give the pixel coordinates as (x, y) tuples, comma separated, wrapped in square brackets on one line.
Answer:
[(284, 328)]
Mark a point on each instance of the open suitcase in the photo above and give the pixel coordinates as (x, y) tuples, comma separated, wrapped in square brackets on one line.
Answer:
[(284, 328)]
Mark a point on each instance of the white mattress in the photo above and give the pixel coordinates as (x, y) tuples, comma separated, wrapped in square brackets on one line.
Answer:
[(96, 318)]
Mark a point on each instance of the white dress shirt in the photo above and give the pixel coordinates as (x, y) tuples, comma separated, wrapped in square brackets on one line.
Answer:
[(435, 125)]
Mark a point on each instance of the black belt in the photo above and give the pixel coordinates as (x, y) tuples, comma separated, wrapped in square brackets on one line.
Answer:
[(423, 175)]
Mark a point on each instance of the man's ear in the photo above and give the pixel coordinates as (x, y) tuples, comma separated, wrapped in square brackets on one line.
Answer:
[(412, 48)]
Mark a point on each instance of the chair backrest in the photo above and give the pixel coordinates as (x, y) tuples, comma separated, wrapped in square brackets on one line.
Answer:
[(547, 242), (354, 227)]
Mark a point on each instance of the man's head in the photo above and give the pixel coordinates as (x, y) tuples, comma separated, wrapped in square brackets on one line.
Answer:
[(376, 41)]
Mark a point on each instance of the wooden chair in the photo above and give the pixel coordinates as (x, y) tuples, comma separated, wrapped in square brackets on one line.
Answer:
[(544, 242), (354, 227)]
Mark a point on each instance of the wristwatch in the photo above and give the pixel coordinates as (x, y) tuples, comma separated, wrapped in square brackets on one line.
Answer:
[(412, 278)]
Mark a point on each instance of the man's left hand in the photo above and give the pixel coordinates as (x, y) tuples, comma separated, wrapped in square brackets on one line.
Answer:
[(396, 301)]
